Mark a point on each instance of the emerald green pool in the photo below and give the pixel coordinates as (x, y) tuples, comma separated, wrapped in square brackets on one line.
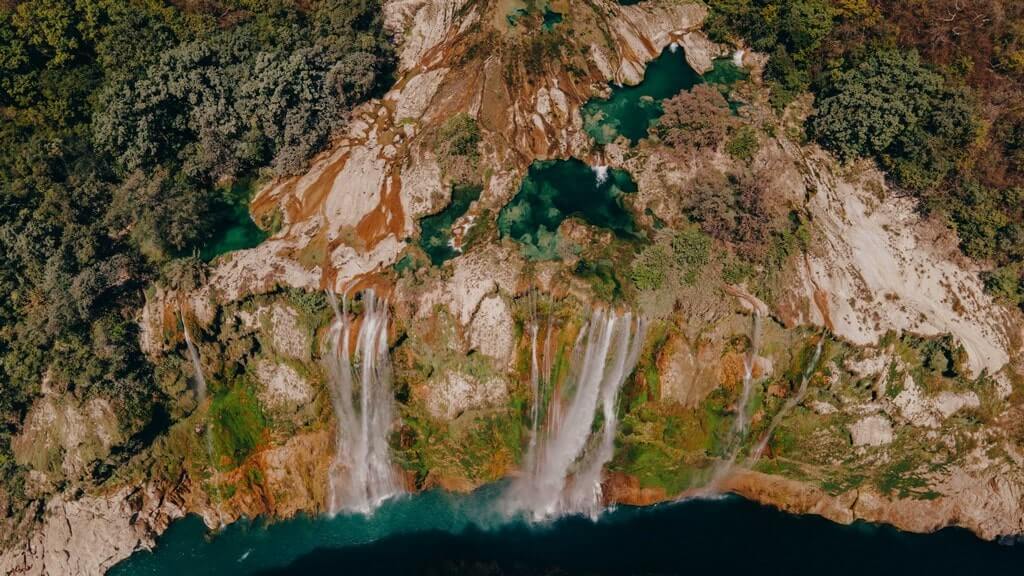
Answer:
[(554, 190), (551, 18), (235, 229), (436, 230), (630, 110)]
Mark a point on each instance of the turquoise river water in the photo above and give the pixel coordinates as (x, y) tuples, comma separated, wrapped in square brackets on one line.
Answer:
[(440, 533)]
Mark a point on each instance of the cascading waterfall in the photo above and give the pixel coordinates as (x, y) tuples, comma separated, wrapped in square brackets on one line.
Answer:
[(601, 173), (196, 365), (361, 475), (791, 403), (741, 423), (200, 379), (563, 472), (534, 385)]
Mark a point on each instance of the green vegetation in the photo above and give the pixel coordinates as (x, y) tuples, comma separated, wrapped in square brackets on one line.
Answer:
[(458, 151), (743, 144), (920, 87), (890, 107), (682, 255), (237, 425), (126, 127)]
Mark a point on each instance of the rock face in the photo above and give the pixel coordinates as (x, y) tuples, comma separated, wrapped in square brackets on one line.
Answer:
[(453, 393), (283, 386), (871, 431), (990, 509), (62, 436), (489, 331), (89, 535), (881, 268)]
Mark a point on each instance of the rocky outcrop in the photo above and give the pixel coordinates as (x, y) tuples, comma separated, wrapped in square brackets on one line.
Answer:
[(283, 387), (991, 506), (871, 431), (489, 331), (880, 267), (87, 536), (353, 212), (452, 393), (61, 437)]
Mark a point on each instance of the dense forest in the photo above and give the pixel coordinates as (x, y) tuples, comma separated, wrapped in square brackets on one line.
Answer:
[(124, 124)]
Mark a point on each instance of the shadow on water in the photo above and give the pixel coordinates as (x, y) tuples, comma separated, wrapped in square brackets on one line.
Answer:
[(724, 535)]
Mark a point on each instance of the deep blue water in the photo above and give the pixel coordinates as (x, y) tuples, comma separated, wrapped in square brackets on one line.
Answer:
[(438, 533)]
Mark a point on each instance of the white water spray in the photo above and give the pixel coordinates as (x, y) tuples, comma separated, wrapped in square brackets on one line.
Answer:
[(563, 473), (361, 475), (741, 423), (737, 58), (673, 47), (601, 173), (197, 367)]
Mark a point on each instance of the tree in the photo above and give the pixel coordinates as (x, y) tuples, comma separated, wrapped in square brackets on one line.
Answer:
[(698, 118), (891, 107)]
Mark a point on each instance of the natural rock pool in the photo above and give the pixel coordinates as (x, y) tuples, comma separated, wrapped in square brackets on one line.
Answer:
[(441, 533), (630, 110), (554, 190), (436, 230), (235, 229)]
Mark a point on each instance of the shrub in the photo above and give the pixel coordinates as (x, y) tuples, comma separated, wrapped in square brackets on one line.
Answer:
[(648, 272), (743, 144), (458, 143), (891, 107), (699, 118)]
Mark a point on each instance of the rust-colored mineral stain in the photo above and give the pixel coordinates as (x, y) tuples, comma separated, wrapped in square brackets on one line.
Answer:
[(388, 217), (821, 301), (314, 196)]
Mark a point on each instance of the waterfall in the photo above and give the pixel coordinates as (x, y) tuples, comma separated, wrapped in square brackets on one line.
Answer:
[(673, 47), (740, 426), (791, 403), (534, 385), (601, 173), (361, 475), (563, 472), (196, 365), (737, 58), (200, 386)]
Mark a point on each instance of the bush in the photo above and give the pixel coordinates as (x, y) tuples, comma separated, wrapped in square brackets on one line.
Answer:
[(648, 271), (458, 143), (699, 118), (891, 107), (691, 249), (743, 144)]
